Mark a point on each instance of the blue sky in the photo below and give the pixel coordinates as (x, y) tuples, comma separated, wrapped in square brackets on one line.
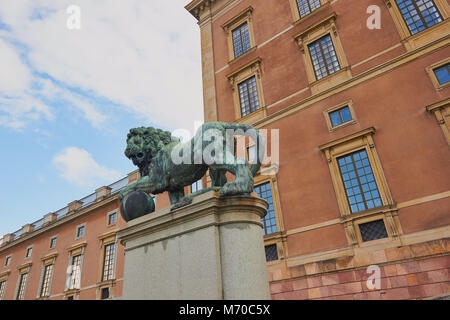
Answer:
[(69, 97)]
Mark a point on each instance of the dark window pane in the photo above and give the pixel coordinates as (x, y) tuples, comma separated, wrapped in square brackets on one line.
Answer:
[(373, 230), (105, 293), (271, 252)]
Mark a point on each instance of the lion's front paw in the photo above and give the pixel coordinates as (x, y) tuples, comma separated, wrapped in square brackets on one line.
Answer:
[(125, 192), (233, 188), (183, 202), (121, 196)]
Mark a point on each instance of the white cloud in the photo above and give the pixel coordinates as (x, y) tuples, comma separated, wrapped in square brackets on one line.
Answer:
[(17, 105), (51, 91), (15, 75), (77, 166), (143, 55)]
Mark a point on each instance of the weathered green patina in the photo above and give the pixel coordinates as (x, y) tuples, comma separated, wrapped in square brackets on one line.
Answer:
[(154, 151)]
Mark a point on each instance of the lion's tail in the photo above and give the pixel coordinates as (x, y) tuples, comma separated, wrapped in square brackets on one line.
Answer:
[(251, 131)]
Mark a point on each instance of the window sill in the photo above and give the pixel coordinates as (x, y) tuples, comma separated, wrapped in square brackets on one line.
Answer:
[(347, 217), (106, 283), (70, 292), (426, 36), (443, 86), (272, 236), (305, 18), (331, 80), (253, 117), (373, 243), (242, 55), (342, 125)]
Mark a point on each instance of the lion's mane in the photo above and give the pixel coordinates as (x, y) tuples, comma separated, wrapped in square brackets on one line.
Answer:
[(149, 141)]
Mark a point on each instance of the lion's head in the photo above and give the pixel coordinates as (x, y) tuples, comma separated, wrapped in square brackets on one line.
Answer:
[(143, 144)]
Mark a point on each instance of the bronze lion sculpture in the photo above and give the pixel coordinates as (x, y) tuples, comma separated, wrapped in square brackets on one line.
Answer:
[(166, 164)]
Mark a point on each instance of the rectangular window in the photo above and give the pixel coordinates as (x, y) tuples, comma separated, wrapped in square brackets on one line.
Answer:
[(2, 289), (48, 272), (359, 182), (241, 40), (29, 252), (53, 242), (108, 262), (305, 7), (271, 252), (197, 186), (443, 73), (105, 293), (441, 111), (248, 96), (80, 232), (264, 191), (112, 218), (323, 56), (419, 14), (252, 154), (7, 261), (22, 285), (340, 116), (373, 230), (75, 275)]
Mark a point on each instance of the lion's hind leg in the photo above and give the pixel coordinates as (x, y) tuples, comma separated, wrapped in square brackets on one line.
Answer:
[(218, 177), (176, 195), (242, 184)]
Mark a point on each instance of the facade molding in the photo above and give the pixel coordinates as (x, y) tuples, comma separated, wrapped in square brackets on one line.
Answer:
[(66, 219)]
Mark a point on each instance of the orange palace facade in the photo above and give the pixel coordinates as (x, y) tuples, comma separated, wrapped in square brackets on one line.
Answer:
[(363, 177)]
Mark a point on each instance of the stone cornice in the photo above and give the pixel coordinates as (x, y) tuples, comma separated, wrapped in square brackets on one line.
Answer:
[(196, 7), (205, 210), (72, 216)]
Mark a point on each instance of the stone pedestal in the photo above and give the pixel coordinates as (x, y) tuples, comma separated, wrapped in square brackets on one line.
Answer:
[(210, 249)]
